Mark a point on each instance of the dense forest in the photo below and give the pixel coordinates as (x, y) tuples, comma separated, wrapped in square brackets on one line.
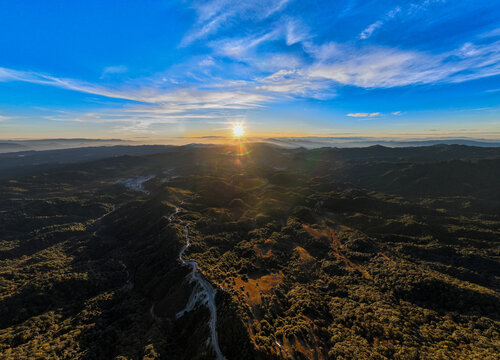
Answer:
[(363, 253)]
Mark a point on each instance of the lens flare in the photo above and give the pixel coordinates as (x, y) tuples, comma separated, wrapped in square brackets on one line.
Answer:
[(238, 130)]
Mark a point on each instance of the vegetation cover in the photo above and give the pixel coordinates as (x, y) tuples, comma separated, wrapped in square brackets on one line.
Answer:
[(370, 253)]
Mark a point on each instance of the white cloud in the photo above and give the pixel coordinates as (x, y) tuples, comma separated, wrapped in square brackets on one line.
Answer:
[(275, 6), (412, 9), (332, 64), (216, 14), (295, 83), (296, 31), (248, 50), (240, 48), (491, 33), (248, 54), (116, 69), (381, 67), (324, 52), (186, 98), (363, 115), (366, 33), (208, 61), (423, 6)]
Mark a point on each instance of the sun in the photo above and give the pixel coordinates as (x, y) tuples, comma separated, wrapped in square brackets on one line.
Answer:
[(238, 130)]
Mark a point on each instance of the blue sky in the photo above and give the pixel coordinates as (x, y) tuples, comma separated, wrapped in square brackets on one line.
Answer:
[(164, 69)]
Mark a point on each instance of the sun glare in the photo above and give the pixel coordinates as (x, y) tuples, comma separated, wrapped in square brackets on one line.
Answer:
[(238, 130)]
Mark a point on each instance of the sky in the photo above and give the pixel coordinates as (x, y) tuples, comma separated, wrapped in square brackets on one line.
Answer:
[(157, 70)]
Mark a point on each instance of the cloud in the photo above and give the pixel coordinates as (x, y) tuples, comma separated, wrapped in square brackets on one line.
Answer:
[(275, 6), (70, 84), (381, 67), (410, 10), (250, 56), (263, 51), (366, 33), (491, 33), (13, 75), (208, 61), (183, 102), (420, 6), (363, 115), (222, 95), (295, 83), (330, 65), (185, 98), (324, 52), (216, 14), (155, 104), (117, 69), (296, 31), (240, 48)]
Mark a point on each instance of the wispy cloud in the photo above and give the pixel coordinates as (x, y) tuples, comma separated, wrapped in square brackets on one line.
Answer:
[(363, 115), (366, 33), (216, 14), (332, 65), (296, 31), (368, 67), (401, 11), (240, 48), (420, 6), (116, 69), (296, 83), (208, 61), (492, 33), (382, 67), (69, 84)]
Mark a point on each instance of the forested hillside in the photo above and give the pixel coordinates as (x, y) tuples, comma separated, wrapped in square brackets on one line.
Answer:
[(372, 253)]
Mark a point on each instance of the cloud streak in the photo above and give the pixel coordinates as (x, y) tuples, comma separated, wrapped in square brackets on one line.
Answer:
[(116, 69), (215, 15), (366, 33), (363, 115)]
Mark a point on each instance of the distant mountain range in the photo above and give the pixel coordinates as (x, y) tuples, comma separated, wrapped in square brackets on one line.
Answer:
[(9, 146), (53, 144), (315, 142), (24, 163)]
